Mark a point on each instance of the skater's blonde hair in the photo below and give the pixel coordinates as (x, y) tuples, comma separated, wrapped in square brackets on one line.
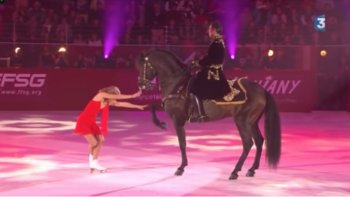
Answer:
[(110, 90)]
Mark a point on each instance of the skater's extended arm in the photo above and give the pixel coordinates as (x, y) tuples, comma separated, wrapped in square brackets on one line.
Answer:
[(126, 105)]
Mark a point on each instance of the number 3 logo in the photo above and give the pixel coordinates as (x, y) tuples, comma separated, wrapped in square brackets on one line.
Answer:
[(320, 23)]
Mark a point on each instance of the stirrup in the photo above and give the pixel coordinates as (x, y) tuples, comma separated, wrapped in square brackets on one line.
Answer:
[(201, 118)]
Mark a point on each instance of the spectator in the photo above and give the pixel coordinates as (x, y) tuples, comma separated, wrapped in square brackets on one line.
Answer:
[(78, 39), (157, 23), (172, 14), (46, 30), (140, 33), (94, 40), (47, 59), (61, 60), (187, 31), (173, 32), (63, 31), (201, 18)]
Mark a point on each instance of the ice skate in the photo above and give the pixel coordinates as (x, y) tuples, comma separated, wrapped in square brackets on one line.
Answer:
[(90, 158), (94, 165)]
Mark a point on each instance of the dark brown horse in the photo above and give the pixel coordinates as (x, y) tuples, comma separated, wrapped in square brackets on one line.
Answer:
[(173, 74)]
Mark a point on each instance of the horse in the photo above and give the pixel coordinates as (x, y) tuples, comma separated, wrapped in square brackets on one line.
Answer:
[(173, 76)]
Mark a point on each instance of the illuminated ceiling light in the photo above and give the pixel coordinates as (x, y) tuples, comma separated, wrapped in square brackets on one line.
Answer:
[(270, 53), (323, 53), (17, 49), (62, 50)]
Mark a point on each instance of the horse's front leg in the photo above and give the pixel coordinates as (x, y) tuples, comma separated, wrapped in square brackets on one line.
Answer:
[(181, 136)]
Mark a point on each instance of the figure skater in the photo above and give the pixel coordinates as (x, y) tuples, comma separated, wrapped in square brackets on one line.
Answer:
[(86, 124)]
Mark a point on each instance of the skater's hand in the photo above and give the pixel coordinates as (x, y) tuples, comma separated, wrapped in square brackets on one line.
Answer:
[(137, 94), (142, 107)]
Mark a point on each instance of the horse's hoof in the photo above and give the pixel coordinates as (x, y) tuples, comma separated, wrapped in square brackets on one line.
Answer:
[(233, 176), (179, 172), (163, 126), (250, 173)]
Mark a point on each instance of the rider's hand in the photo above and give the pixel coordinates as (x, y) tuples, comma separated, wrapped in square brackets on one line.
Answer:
[(195, 63)]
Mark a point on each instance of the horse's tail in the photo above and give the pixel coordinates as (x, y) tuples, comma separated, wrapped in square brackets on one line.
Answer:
[(272, 132), (155, 118)]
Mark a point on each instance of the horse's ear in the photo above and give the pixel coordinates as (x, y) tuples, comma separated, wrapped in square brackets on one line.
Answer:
[(142, 56), (140, 59)]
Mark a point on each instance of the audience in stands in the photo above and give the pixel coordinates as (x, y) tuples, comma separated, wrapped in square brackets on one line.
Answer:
[(171, 22)]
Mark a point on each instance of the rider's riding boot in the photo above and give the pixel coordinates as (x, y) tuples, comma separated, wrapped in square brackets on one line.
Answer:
[(201, 117)]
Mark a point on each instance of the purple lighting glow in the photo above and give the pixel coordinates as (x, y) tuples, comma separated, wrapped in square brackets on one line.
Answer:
[(231, 21), (113, 24)]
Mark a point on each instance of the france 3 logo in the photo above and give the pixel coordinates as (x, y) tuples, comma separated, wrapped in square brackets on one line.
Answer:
[(320, 23)]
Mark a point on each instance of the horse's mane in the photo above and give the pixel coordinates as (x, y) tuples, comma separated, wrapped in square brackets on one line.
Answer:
[(169, 53)]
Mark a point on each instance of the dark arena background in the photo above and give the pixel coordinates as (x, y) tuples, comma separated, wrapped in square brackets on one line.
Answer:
[(56, 54)]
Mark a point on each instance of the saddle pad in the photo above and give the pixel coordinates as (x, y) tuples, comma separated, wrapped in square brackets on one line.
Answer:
[(238, 94)]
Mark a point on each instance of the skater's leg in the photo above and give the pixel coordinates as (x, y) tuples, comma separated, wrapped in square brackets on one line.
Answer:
[(93, 143), (100, 140)]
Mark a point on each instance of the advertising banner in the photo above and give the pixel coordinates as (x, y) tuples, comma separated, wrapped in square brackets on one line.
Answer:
[(71, 89), (293, 90)]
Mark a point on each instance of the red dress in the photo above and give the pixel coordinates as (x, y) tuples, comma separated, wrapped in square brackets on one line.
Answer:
[(86, 123)]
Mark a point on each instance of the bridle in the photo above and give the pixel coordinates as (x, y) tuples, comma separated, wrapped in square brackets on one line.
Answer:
[(147, 66), (146, 83)]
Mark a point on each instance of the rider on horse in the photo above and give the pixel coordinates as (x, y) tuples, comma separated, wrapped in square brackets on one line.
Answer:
[(210, 82)]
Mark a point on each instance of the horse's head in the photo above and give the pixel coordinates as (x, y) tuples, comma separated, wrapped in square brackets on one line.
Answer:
[(147, 72), (161, 63)]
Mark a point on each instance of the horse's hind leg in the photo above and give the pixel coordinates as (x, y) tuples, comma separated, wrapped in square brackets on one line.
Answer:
[(259, 140), (247, 145)]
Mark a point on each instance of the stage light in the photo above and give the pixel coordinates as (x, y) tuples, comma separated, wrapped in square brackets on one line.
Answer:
[(62, 50), (323, 53), (270, 53), (17, 49), (106, 56), (232, 56), (113, 25)]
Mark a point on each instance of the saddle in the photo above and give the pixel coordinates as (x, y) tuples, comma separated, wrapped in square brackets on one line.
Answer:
[(238, 94)]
